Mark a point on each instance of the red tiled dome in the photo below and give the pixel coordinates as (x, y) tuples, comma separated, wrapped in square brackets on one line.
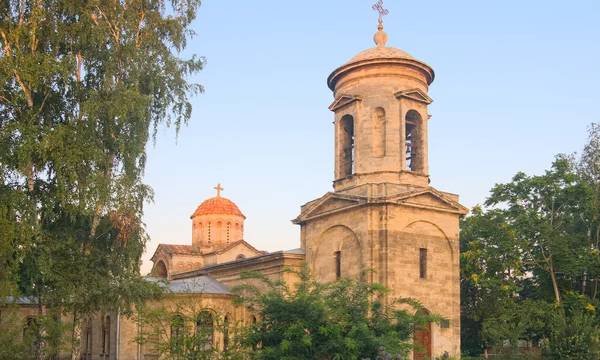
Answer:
[(217, 206)]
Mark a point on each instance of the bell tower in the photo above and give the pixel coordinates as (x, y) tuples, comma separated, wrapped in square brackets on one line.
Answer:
[(383, 221), (381, 117)]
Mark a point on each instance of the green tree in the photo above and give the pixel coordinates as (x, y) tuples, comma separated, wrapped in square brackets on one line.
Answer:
[(348, 319), (83, 86), (530, 260)]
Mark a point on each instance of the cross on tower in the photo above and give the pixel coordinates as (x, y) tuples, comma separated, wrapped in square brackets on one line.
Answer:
[(378, 6), (219, 188)]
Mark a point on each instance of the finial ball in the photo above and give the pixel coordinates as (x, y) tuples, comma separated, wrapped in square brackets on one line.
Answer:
[(380, 37)]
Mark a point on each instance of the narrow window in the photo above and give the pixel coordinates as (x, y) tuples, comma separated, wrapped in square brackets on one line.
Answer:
[(88, 340), (347, 156), (411, 140), (209, 232), (106, 337), (225, 333), (228, 231), (423, 263), (338, 264)]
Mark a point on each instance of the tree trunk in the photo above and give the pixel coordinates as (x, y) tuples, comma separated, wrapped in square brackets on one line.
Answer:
[(76, 338), (554, 281)]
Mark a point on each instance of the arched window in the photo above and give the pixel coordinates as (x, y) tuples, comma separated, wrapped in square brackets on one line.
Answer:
[(225, 333), (30, 333), (177, 329), (228, 231), (105, 338), (347, 155), (379, 132), (205, 329), (412, 141), (160, 270), (29, 326)]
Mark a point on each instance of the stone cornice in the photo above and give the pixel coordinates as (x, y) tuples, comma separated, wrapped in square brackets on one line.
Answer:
[(415, 64)]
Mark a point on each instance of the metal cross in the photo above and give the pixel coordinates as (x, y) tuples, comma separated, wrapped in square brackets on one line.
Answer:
[(378, 6), (219, 188)]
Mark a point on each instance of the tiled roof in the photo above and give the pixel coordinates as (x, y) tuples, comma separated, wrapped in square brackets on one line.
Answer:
[(234, 244), (217, 206), (177, 249), (22, 300), (202, 284)]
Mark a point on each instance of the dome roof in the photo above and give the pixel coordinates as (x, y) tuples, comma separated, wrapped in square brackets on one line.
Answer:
[(217, 206), (380, 52)]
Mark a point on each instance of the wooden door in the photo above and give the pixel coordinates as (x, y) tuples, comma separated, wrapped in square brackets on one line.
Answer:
[(422, 342)]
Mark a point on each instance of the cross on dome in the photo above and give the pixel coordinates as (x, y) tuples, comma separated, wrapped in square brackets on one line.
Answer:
[(380, 36), (219, 188), (378, 6)]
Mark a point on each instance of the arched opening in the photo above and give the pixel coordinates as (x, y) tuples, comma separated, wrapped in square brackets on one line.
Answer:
[(347, 153), (379, 132), (160, 270), (240, 257), (412, 141), (422, 339), (338, 254), (205, 329)]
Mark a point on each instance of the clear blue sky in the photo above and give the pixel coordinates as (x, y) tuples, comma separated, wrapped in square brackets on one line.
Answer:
[(516, 83)]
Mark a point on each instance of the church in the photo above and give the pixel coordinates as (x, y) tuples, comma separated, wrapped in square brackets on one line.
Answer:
[(382, 217)]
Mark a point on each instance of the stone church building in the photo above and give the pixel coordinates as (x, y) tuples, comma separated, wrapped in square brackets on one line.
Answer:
[(381, 215)]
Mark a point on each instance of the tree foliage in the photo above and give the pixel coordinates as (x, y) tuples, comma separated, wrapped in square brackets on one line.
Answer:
[(83, 86), (531, 260), (348, 319)]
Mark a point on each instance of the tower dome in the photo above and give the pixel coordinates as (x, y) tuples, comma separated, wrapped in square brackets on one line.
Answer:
[(217, 205), (216, 223), (378, 56)]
